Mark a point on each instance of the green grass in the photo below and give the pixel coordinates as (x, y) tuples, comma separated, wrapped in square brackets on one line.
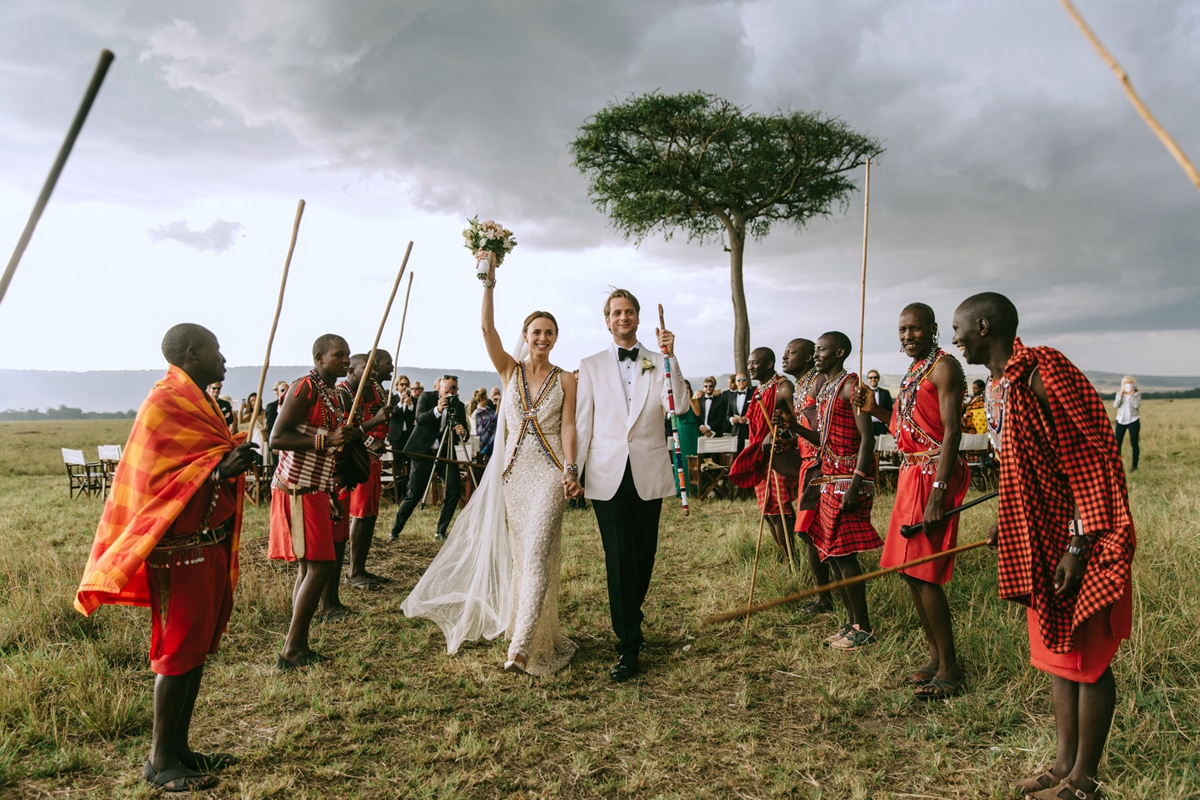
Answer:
[(719, 712)]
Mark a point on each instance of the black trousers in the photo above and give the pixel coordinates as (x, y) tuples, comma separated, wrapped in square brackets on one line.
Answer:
[(418, 479), (629, 531), (1134, 428)]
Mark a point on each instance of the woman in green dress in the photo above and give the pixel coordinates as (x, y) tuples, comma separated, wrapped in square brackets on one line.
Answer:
[(688, 416)]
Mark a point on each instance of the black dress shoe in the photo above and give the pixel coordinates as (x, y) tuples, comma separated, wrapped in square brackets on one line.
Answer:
[(625, 668)]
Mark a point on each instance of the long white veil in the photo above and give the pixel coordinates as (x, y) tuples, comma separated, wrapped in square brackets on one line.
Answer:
[(467, 589)]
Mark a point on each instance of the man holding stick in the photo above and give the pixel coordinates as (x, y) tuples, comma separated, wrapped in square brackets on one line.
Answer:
[(624, 460), (308, 523), (842, 527), (363, 500), (749, 469), (1065, 534), (168, 539), (925, 420)]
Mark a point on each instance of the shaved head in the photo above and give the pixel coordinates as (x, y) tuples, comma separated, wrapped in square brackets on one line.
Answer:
[(997, 309), (840, 341), (180, 337), (922, 311)]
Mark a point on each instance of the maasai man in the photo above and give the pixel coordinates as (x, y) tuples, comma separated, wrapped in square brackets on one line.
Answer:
[(798, 362), (749, 468), (363, 499), (842, 527), (925, 421), (168, 539), (1065, 535), (307, 520)]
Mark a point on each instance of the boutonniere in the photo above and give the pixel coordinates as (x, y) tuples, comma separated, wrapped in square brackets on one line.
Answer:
[(647, 365)]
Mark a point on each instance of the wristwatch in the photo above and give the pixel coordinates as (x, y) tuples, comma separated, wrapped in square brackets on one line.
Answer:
[(1079, 551), (940, 485)]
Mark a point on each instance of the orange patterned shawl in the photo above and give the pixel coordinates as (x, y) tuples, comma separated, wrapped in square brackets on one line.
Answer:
[(177, 440)]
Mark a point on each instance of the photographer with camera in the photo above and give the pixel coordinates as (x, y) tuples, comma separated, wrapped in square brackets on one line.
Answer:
[(440, 425)]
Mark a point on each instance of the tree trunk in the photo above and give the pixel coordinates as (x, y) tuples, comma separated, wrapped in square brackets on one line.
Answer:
[(741, 318)]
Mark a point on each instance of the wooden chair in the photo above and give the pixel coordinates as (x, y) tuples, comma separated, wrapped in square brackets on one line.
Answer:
[(86, 477), (110, 456), (711, 470), (887, 461)]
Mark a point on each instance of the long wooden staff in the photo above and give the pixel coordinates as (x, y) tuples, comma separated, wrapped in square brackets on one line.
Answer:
[(782, 519), (287, 265), (106, 58), (1174, 149), (396, 358), (828, 587), (909, 531), (362, 382), (862, 307), (678, 454), (761, 521)]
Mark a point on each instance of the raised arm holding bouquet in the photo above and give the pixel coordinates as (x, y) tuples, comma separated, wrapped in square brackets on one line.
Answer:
[(490, 242)]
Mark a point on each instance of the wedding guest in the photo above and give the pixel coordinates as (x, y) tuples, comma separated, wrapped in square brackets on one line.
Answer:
[(883, 400), (688, 418), (1128, 403)]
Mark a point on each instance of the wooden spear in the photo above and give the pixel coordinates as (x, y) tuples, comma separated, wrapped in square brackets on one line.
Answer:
[(762, 519), (287, 265), (362, 383), (862, 307), (106, 58)]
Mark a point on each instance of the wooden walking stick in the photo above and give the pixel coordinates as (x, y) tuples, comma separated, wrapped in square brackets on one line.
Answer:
[(1174, 149), (828, 587), (287, 265), (362, 383), (862, 306), (396, 357), (106, 58), (678, 454), (762, 519), (787, 540)]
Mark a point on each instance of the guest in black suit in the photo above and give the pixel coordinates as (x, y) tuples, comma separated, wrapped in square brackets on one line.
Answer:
[(883, 399), (400, 427), (712, 418), (437, 417), (735, 410), (271, 411)]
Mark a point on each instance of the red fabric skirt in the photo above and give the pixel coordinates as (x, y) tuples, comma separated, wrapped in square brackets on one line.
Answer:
[(772, 494), (190, 605), (320, 529), (841, 533), (364, 498), (913, 488), (1096, 642)]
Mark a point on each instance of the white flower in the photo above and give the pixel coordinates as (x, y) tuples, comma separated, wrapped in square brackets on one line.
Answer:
[(647, 365)]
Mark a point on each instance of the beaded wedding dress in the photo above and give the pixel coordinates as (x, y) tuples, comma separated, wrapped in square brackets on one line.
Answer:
[(498, 571)]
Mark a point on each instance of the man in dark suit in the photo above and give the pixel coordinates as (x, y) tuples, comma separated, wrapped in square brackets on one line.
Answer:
[(712, 418), (271, 411), (440, 423), (400, 427), (883, 399), (735, 410)]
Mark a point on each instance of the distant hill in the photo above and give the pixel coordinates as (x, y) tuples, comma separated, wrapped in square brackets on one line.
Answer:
[(124, 390)]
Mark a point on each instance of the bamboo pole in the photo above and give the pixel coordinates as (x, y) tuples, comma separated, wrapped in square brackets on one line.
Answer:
[(287, 265), (89, 97), (828, 587), (362, 382), (396, 357), (1174, 149), (862, 304)]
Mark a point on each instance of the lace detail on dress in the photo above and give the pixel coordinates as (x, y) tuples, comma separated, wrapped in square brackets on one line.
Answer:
[(534, 502)]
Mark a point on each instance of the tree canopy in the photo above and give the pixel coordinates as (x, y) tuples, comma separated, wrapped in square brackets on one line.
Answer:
[(701, 164)]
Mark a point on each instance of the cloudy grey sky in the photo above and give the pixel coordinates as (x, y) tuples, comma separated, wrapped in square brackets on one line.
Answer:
[(1014, 163)]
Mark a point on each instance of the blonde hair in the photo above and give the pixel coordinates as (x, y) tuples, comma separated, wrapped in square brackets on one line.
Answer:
[(1129, 379)]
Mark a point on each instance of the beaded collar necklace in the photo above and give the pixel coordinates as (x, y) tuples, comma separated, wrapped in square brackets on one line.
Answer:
[(906, 399), (995, 394), (328, 402), (802, 386)]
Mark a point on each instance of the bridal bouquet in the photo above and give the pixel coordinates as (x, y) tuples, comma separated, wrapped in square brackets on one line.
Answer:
[(489, 241)]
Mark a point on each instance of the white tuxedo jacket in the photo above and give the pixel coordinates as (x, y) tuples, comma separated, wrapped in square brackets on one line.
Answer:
[(608, 434)]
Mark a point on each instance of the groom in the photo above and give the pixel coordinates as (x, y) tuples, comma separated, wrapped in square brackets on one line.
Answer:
[(622, 451)]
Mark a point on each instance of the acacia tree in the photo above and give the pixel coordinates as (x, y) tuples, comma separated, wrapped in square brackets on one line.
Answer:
[(698, 163)]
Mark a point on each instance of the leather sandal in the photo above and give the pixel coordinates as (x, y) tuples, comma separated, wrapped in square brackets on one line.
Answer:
[(1065, 790), (1045, 780)]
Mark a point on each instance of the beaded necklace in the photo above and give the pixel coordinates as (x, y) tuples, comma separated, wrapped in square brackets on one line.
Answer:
[(326, 402), (825, 410), (995, 394), (906, 399), (799, 400)]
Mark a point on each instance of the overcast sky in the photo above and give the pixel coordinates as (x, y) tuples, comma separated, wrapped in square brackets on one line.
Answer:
[(1014, 163)]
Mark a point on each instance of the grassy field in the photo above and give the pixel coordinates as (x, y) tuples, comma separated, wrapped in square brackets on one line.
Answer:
[(721, 712)]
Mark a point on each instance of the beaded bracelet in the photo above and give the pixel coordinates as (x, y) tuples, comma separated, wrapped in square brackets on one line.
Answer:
[(319, 442), (860, 473), (571, 470)]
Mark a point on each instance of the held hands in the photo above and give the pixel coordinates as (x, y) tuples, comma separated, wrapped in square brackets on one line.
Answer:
[(237, 460), (571, 487)]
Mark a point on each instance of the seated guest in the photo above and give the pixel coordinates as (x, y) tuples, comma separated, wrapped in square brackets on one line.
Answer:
[(974, 415), (168, 539)]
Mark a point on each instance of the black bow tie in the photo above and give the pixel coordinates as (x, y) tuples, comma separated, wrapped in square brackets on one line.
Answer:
[(626, 355)]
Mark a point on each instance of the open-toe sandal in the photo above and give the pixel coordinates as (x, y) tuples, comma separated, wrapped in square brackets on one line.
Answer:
[(1065, 790), (178, 779), (938, 689), (1045, 780)]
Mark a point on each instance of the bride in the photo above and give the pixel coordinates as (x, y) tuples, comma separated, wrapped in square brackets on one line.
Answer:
[(499, 569)]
